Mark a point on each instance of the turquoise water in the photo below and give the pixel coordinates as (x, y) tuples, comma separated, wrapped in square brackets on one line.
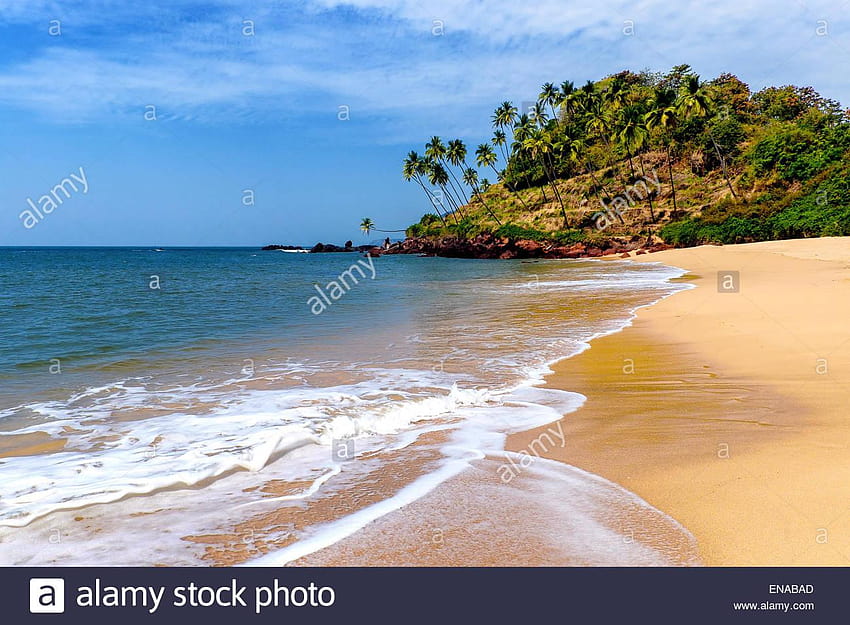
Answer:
[(111, 389)]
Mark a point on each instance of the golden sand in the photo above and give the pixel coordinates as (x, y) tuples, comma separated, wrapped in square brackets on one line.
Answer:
[(730, 411)]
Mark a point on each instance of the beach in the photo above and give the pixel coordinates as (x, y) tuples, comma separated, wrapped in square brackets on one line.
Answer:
[(701, 395), (725, 405)]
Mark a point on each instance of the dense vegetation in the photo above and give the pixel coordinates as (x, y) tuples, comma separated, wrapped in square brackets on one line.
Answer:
[(661, 155)]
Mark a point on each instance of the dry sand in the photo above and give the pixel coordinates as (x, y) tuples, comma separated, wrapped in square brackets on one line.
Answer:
[(730, 411)]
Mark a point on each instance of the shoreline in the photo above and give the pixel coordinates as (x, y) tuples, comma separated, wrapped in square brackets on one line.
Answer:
[(709, 405)]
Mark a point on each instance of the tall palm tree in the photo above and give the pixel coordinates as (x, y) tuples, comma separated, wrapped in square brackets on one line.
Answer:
[(577, 152), (633, 135), (568, 100), (505, 115), (538, 144), (549, 95), (483, 159), (522, 129), (412, 169), (664, 114), (438, 177), (455, 155), (500, 140), (470, 177), (631, 132), (695, 101), (436, 150), (539, 115)]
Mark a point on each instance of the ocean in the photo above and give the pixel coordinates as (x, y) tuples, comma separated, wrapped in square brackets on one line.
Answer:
[(154, 403)]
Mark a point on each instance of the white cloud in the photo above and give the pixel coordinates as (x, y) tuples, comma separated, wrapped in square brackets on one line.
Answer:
[(380, 57)]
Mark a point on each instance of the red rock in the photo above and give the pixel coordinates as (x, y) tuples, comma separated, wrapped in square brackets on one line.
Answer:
[(529, 246), (625, 255)]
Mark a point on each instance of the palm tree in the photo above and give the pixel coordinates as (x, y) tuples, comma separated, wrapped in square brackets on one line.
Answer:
[(549, 95), (577, 152), (539, 145), (504, 115), (695, 101), (413, 168), (367, 226), (499, 140), (539, 115), (631, 132), (664, 114), (486, 157), (568, 99), (455, 155), (470, 177), (438, 176), (436, 150), (633, 135), (617, 95)]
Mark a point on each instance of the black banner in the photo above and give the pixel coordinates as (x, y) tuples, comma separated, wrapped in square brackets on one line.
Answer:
[(435, 595)]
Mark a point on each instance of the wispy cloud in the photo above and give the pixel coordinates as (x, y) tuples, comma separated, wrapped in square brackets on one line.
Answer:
[(387, 57)]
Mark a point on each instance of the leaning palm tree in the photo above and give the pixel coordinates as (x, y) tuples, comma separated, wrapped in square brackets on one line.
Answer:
[(500, 140), (664, 114), (485, 156), (412, 169), (438, 177), (436, 150), (367, 226), (455, 154), (470, 177)]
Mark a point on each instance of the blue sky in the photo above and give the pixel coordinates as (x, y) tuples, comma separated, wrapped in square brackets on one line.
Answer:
[(260, 112)]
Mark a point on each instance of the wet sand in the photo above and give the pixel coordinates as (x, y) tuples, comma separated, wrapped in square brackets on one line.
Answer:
[(729, 410)]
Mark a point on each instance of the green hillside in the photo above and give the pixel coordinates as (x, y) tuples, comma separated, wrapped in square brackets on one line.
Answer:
[(666, 156)]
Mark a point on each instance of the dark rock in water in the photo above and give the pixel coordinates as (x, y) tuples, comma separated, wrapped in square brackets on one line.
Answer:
[(321, 248)]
